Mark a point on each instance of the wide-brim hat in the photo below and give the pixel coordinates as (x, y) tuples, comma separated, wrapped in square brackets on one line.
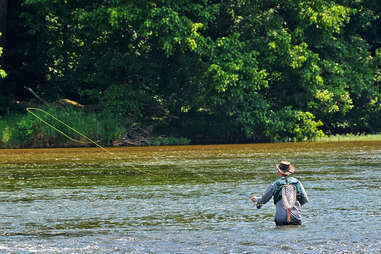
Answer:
[(285, 168)]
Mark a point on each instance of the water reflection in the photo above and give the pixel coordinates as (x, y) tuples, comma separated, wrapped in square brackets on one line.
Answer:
[(192, 199)]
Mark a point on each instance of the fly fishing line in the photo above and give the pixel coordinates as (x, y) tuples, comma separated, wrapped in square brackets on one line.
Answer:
[(30, 110)]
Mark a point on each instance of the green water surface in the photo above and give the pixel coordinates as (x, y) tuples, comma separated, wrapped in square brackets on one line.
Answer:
[(187, 199)]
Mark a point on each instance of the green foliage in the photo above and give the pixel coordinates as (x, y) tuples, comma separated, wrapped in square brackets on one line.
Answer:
[(164, 141), (26, 130), (123, 101), (254, 70), (327, 16), (291, 125), (15, 131), (3, 74), (5, 135), (23, 130)]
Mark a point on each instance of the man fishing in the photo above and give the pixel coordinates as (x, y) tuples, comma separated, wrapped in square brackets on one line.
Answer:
[(288, 194)]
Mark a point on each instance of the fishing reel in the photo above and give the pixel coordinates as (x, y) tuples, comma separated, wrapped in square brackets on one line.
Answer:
[(259, 205)]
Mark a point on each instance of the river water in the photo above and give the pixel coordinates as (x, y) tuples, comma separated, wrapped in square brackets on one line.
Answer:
[(188, 199)]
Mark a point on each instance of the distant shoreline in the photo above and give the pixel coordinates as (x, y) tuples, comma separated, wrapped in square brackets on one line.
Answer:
[(350, 137), (332, 138)]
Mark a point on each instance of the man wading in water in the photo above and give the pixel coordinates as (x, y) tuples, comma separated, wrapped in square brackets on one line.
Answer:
[(288, 194)]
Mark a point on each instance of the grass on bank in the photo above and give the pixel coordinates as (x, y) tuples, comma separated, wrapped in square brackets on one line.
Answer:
[(26, 130), (350, 137)]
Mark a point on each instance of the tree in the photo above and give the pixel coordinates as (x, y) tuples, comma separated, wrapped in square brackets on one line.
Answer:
[(236, 71)]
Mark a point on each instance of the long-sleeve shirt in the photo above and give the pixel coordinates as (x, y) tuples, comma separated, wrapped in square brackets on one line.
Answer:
[(281, 212)]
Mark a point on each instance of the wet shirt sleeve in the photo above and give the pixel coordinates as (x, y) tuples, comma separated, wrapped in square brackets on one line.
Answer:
[(304, 198), (267, 195)]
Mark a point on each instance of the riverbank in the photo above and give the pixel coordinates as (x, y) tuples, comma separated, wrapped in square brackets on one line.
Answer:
[(350, 137), (69, 127), (55, 127)]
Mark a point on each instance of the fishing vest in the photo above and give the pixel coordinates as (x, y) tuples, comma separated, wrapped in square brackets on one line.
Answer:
[(282, 181)]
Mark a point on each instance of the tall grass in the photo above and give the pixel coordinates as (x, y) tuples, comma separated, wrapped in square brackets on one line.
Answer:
[(26, 130), (69, 127), (350, 137)]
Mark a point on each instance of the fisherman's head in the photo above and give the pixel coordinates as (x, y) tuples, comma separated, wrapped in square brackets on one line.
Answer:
[(285, 168)]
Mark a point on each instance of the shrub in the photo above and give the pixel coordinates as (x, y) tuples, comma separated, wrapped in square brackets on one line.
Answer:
[(293, 125), (163, 141)]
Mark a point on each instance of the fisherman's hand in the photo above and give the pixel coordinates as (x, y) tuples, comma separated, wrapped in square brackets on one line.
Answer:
[(254, 199)]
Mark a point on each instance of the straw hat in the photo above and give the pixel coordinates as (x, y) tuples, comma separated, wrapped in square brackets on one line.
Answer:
[(285, 168)]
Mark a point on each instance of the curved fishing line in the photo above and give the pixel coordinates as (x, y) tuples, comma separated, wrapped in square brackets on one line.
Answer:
[(29, 110)]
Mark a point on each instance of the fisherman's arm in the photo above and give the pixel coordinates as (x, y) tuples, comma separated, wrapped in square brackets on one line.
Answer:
[(267, 195), (304, 198)]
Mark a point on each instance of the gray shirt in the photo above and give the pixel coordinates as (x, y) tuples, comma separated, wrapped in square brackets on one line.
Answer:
[(280, 212)]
